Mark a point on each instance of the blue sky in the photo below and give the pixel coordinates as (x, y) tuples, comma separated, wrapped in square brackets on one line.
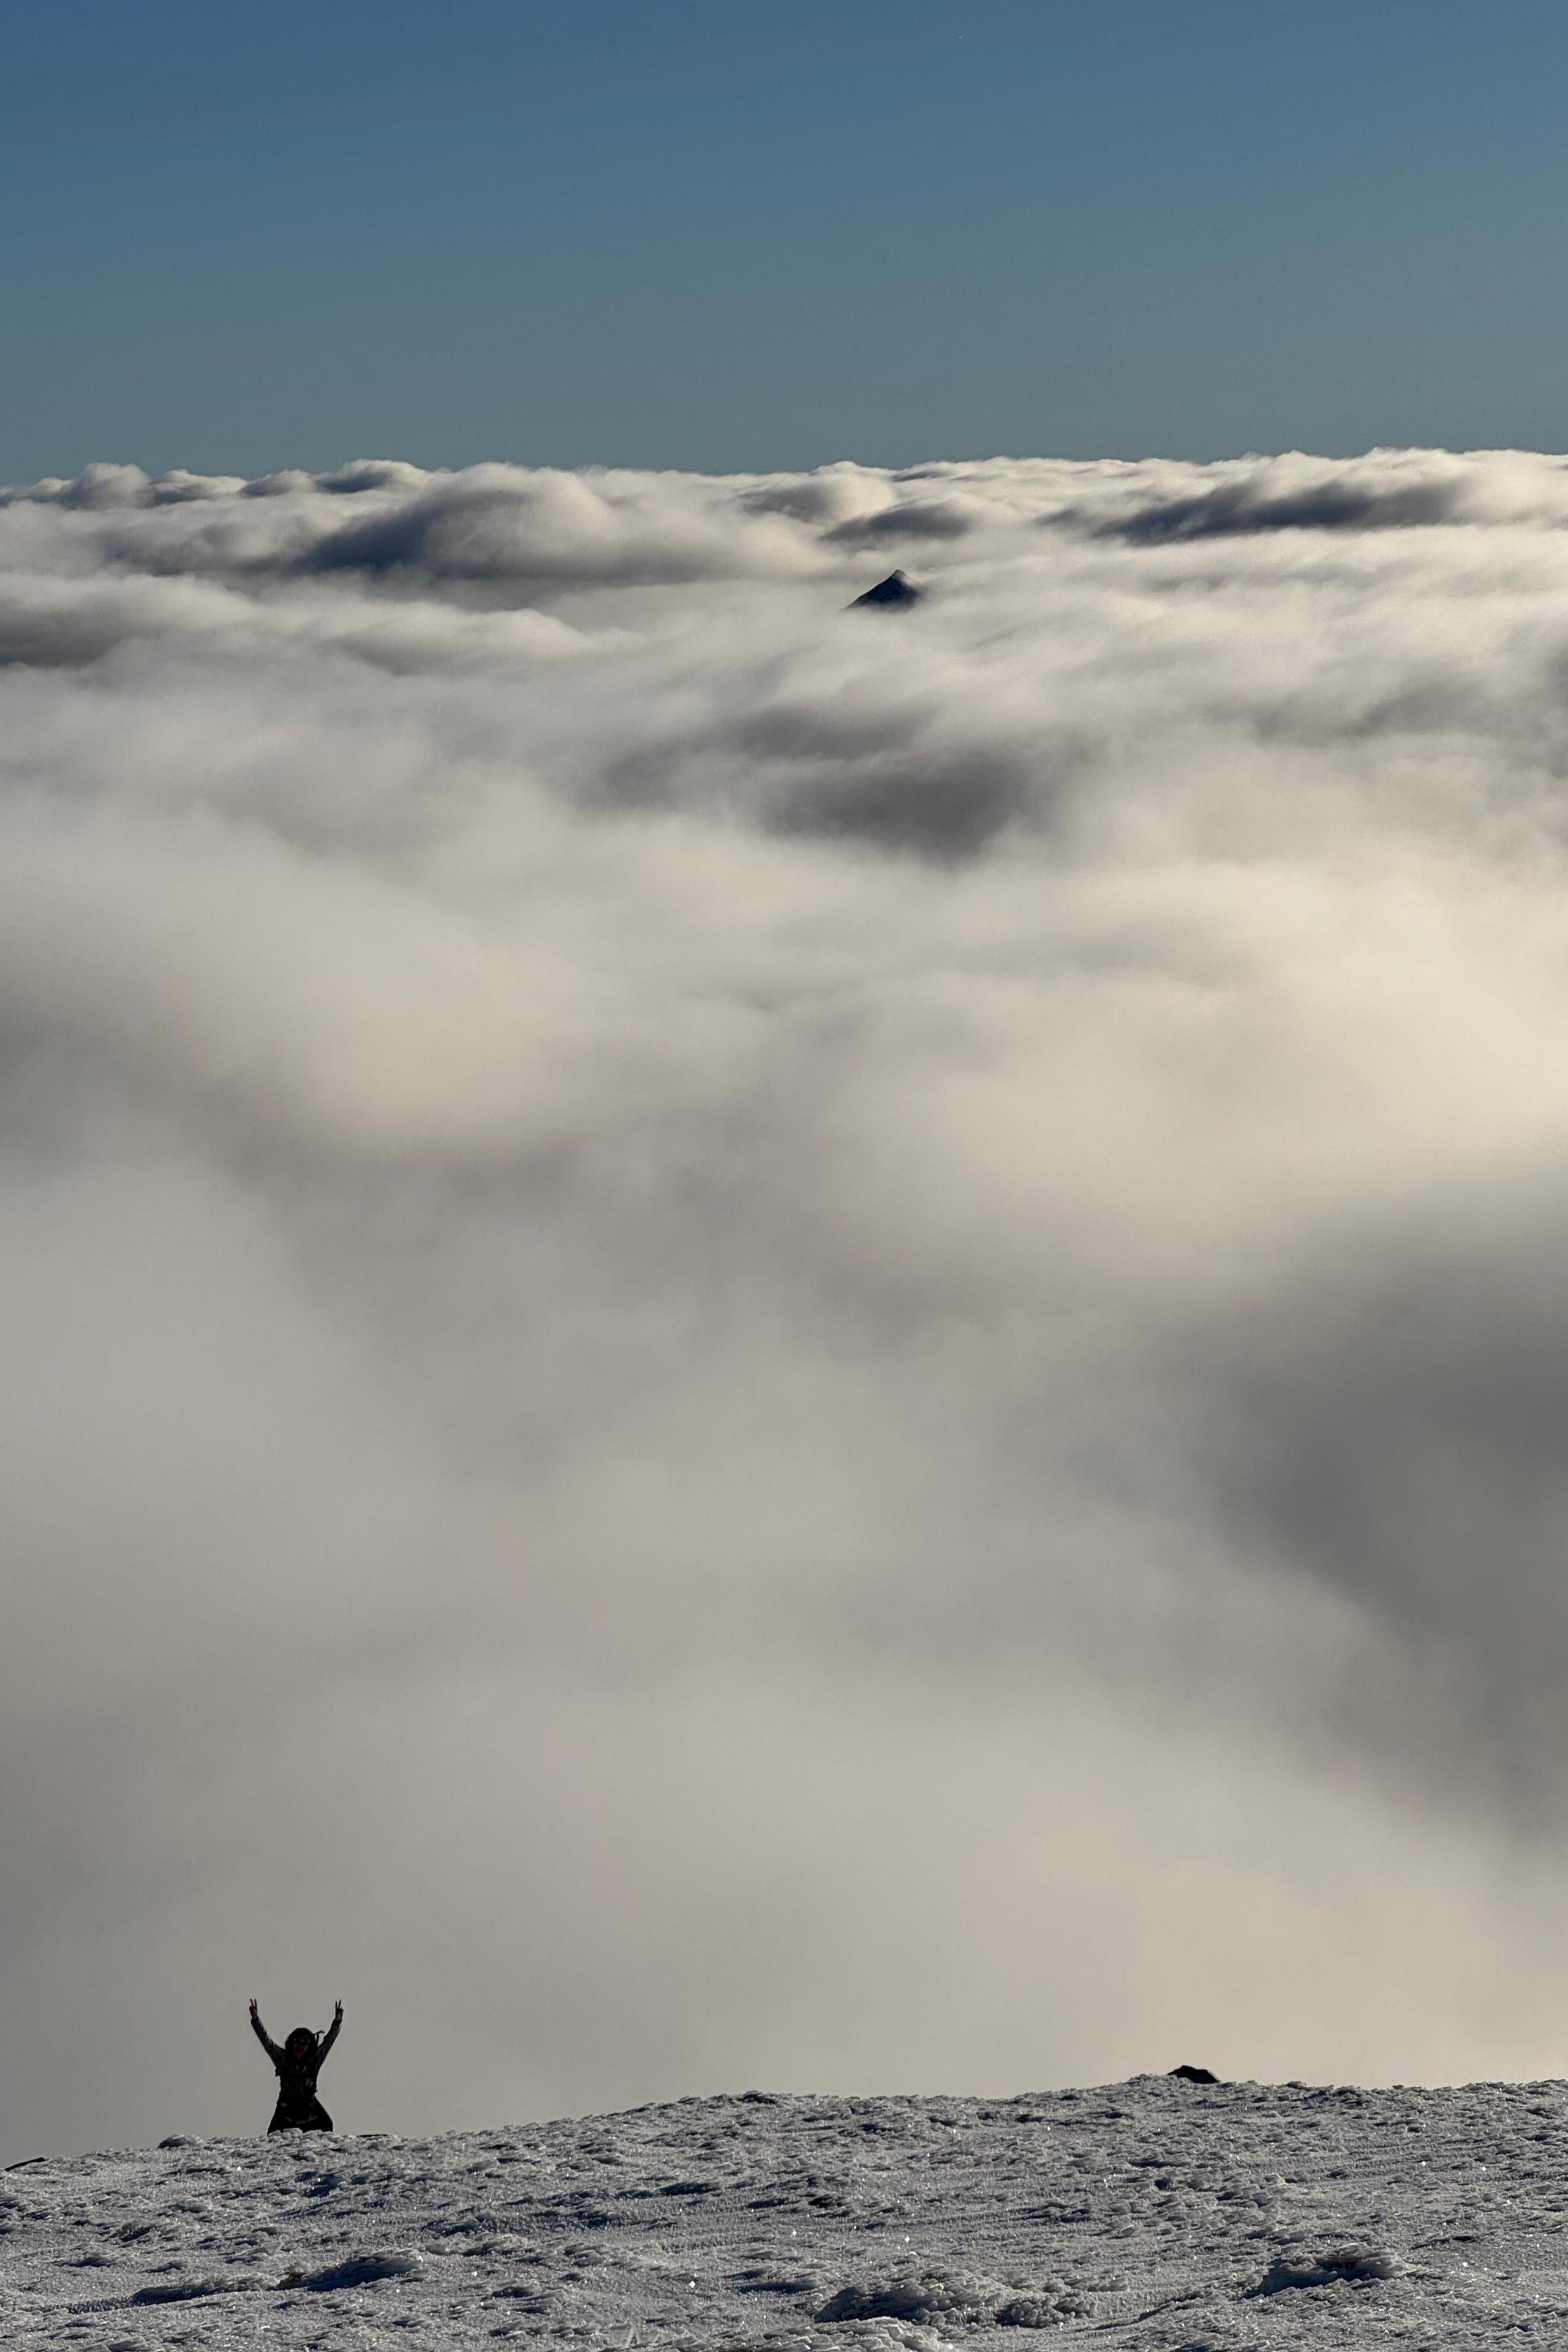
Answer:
[(723, 234)]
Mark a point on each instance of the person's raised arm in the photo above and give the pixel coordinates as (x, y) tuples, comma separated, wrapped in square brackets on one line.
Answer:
[(262, 2035), (332, 2031)]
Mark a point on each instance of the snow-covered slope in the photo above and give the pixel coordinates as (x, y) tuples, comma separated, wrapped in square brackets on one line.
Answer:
[(1153, 2214)]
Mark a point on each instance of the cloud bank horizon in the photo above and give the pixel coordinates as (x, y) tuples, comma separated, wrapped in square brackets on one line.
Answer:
[(750, 1343)]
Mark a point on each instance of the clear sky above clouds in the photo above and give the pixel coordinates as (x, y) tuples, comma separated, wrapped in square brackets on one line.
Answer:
[(723, 234)]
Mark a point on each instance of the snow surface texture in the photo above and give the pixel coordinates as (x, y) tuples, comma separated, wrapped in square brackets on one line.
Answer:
[(1147, 2217), (747, 1342)]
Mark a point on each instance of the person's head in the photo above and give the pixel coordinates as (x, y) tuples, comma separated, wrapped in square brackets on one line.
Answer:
[(301, 2040)]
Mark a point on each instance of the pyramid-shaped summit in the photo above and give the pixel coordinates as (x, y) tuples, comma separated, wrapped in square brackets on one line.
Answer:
[(894, 594)]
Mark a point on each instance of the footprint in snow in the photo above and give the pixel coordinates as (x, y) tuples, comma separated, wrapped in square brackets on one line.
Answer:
[(1347, 2265)]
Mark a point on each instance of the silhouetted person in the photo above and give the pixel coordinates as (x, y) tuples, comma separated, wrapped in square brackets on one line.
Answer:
[(298, 2063)]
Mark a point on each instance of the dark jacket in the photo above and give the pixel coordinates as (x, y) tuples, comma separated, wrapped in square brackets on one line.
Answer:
[(297, 2105)]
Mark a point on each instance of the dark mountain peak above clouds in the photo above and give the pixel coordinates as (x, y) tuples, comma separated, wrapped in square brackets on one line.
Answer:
[(894, 594)]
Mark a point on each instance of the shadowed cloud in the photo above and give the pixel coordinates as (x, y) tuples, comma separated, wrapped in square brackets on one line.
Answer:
[(713, 1308)]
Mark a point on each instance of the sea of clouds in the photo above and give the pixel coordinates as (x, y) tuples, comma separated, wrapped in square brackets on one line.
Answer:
[(748, 1343)]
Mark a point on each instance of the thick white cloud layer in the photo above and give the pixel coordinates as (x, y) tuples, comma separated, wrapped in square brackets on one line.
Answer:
[(749, 1342)]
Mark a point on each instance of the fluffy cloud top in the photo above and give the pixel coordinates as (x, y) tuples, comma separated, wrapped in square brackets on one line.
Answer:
[(752, 1342)]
